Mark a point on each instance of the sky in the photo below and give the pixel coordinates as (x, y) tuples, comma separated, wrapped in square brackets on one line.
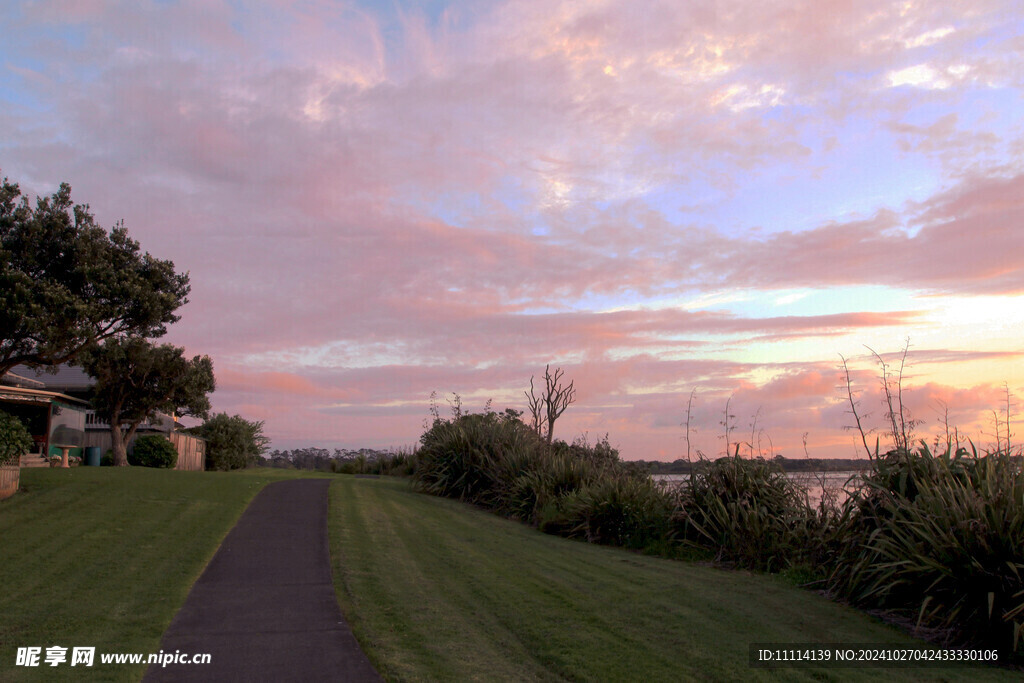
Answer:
[(716, 200)]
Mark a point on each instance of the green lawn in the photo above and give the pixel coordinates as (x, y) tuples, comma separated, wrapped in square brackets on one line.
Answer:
[(437, 590), (105, 556), (434, 589)]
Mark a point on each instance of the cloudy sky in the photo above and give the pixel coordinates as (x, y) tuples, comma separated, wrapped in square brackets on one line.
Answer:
[(376, 200)]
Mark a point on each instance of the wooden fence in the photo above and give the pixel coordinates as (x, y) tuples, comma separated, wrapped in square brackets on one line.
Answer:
[(191, 449), (10, 476)]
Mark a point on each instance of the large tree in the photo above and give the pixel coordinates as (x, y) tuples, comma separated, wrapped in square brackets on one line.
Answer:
[(135, 379), (66, 283)]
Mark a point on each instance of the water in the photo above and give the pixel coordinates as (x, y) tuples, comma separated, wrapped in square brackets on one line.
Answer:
[(840, 482)]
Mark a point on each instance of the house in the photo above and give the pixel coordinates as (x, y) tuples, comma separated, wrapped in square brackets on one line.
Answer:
[(61, 415), (55, 420)]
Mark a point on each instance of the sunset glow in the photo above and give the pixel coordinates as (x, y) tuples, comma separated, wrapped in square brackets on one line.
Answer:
[(377, 200)]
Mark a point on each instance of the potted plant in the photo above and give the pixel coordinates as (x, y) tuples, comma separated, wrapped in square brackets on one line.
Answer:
[(14, 442)]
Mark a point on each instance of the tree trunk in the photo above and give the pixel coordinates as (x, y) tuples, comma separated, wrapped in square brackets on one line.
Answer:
[(119, 440), (118, 445)]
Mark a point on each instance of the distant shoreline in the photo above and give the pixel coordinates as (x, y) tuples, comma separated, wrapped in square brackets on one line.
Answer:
[(788, 465)]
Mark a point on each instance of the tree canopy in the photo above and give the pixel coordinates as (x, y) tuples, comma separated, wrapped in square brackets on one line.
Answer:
[(66, 283), (135, 379)]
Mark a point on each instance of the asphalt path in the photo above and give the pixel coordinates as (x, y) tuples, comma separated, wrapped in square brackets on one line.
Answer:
[(265, 608)]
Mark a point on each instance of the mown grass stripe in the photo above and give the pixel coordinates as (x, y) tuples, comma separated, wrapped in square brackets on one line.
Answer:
[(104, 557), (408, 574), (461, 580)]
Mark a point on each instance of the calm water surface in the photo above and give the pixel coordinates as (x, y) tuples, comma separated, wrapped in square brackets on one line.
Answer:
[(840, 482)]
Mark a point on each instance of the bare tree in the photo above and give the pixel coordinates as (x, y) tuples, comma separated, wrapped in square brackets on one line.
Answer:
[(950, 438), (549, 406), (536, 406), (753, 429), (853, 409), (435, 413), (995, 421), (455, 404), (689, 414), (1006, 388), (901, 425), (727, 416), (1004, 436)]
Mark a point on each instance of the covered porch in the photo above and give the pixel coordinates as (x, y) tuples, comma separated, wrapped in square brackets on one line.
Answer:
[(55, 421)]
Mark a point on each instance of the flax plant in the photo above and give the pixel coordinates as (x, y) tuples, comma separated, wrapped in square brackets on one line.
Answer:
[(473, 457), (941, 537), (628, 511), (747, 512)]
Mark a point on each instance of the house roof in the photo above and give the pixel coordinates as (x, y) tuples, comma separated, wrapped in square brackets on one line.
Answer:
[(22, 395), (11, 379), (66, 378)]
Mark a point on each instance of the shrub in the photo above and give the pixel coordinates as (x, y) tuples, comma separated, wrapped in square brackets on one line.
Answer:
[(575, 490), (15, 440), (601, 454), (153, 451), (357, 465), (232, 442), (400, 463)]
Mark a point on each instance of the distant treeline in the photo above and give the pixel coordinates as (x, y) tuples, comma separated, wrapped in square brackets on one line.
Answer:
[(364, 459), (325, 460), (681, 466)]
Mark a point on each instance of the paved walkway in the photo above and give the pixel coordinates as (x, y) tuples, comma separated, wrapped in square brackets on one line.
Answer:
[(265, 607)]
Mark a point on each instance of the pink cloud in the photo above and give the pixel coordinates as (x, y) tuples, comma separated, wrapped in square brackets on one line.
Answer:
[(879, 251), (801, 399), (438, 200), (273, 382)]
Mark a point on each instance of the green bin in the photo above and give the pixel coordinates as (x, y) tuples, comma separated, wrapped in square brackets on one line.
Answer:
[(92, 456)]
